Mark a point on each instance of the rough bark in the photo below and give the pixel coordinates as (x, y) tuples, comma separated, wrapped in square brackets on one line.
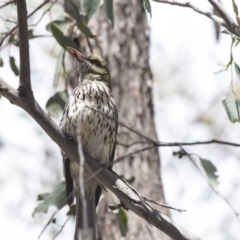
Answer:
[(126, 49)]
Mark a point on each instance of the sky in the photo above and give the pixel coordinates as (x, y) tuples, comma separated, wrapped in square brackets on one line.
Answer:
[(187, 100)]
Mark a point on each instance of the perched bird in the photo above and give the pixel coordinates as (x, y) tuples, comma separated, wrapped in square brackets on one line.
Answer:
[(97, 131)]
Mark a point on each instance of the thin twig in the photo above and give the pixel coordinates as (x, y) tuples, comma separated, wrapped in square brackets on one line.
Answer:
[(209, 184), (167, 144), (14, 28), (196, 9), (6, 4), (47, 10), (48, 223), (61, 228), (93, 175), (37, 8), (163, 205), (225, 20), (124, 125), (131, 144)]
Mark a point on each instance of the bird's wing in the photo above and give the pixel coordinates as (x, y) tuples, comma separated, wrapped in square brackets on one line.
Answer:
[(68, 178)]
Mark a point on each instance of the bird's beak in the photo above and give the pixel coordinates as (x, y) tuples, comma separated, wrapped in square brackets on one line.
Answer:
[(76, 54)]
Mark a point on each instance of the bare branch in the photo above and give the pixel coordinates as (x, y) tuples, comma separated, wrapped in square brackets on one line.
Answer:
[(222, 12), (6, 4), (24, 78), (209, 184), (37, 8), (178, 144), (61, 228), (127, 195), (196, 9), (225, 20), (162, 144), (33, 12)]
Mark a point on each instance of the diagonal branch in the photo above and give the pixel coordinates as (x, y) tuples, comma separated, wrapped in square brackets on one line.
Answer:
[(196, 9), (127, 195), (6, 4), (225, 20), (222, 12), (23, 97)]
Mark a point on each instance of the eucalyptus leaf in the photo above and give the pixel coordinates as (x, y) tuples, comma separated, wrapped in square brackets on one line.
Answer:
[(147, 6), (14, 66), (225, 31), (80, 23), (59, 69), (232, 107), (58, 198), (63, 25), (56, 104), (72, 210), (30, 34), (128, 180), (211, 172), (235, 7), (109, 10), (1, 62), (237, 69), (123, 219), (89, 8), (61, 39)]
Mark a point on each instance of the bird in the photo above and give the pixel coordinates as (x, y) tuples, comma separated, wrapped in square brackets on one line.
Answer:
[(90, 108)]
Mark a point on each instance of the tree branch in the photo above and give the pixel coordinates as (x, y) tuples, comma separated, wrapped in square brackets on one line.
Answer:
[(225, 20), (24, 78), (6, 4), (23, 97), (127, 195), (14, 28)]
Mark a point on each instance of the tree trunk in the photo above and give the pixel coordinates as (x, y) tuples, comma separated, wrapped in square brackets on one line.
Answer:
[(125, 47)]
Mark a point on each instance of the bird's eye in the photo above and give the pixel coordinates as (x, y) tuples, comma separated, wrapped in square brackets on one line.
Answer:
[(96, 63)]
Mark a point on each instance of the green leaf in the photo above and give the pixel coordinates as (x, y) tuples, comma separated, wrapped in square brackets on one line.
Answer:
[(109, 10), (30, 34), (13, 39), (123, 219), (72, 210), (235, 7), (129, 180), (56, 104), (237, 69), (1, 62), (61, 39), (89, 8), (58, 69), (147, 6), (232, 107), (80, 23), (57, 197), (13, 66), (211, 172), (225, 31), (63, 25)]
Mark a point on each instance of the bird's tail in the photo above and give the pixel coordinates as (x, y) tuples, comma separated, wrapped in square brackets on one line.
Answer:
[(86, 220)]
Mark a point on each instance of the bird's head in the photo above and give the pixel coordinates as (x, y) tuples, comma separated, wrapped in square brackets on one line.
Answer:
[(91, 67)]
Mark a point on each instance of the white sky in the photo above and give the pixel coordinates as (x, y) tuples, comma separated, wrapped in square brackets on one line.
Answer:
[(184, 54)]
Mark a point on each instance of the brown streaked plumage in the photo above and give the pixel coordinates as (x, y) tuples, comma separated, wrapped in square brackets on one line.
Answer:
[(98, 133)]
